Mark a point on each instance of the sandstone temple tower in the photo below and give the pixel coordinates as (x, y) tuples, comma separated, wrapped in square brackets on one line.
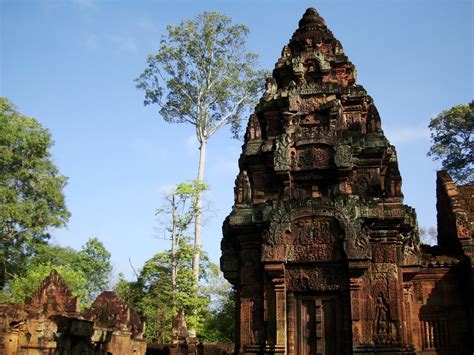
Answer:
[(323, 253)]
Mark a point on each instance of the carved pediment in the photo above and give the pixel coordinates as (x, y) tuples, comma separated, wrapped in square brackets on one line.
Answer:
[(53, 297), (108, 311)]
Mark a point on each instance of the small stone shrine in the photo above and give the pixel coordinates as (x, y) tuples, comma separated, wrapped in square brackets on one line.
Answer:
[(322, 252), (117, 327), (179, 330)]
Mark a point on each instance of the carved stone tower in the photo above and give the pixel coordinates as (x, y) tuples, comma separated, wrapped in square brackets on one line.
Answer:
[(318, 235)]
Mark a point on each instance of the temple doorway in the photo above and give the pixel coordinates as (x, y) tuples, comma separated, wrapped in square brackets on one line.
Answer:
[(319, 324)]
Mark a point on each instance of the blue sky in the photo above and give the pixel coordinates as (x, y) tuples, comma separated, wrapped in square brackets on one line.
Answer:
[(71, 65)]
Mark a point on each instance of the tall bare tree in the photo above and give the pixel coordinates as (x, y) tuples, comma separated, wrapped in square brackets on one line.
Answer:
[(203, 75)]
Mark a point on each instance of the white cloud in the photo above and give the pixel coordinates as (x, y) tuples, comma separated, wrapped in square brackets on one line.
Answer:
[(408, 134)]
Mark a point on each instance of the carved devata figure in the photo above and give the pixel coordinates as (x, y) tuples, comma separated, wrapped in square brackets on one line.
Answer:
[(382, 315), (243, 190), (253, 129), (329, 217)]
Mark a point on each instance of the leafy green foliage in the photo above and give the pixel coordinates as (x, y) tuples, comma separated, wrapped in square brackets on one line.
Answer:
[(86, 272), (94, 261), (31, 189), (453, 144), (153, 297), (22, 287), (219, 323), (210, 311), (203, 75), (52, 254), (166, 282), (180, 204)]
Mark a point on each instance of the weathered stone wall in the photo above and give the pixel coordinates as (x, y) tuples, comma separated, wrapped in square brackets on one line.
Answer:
[(455, 216)]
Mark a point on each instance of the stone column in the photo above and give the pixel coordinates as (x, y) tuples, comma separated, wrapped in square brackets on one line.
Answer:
[(249, 292), (280, 304), (291, 316), (355, 294), (407, 324), (277, 277)]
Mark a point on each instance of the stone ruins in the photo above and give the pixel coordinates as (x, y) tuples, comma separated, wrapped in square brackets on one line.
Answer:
[(322, 252), (50, 323)]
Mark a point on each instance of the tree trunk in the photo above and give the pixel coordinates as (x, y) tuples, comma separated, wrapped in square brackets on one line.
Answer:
[(198, 216), (3, 273), (174, 247)]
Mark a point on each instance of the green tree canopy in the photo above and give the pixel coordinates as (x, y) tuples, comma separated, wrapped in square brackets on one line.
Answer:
[(453, 143), (152, 294), (31, 189), (203, 75), (20, 287), (219, 324), (94, 261), (87, 272), (165, 284)]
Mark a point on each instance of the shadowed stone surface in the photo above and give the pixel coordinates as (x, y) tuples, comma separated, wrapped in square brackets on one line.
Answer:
[(323, 253)]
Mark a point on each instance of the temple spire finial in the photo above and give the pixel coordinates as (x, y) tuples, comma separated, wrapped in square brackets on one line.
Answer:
[(311, 17)]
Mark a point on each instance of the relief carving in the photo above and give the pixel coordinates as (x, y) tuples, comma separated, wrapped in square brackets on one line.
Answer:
[(385, 329), (253, 129), (298, 69), (410, 248), (286, 52), (343, 156), (356, 241), (313, 158), (280, 222), (311, 231), (382, 315), (271, 88), (242, 190), (314, 134), (323, 64), (281, 157), (312, 278)]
